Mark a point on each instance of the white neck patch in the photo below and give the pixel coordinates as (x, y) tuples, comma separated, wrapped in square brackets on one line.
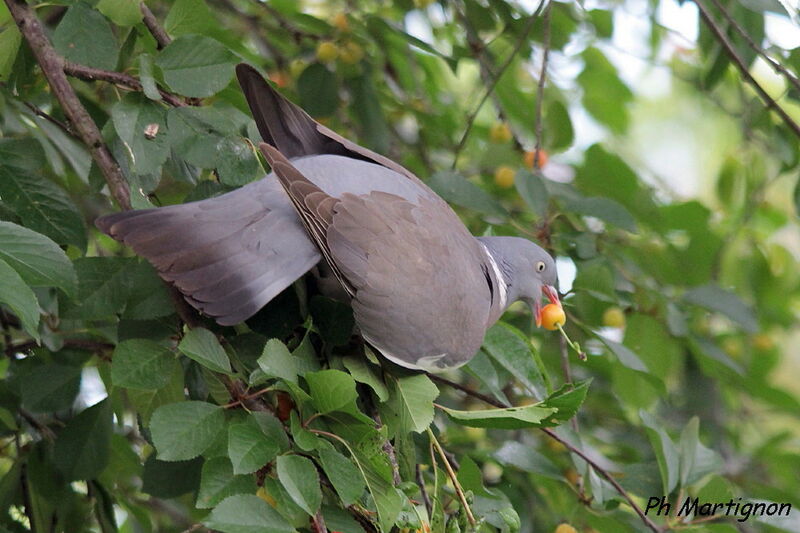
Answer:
[(500, 279)]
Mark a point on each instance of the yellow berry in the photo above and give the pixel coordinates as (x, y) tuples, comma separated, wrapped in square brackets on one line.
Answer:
[(296, 67), (266, 496), (500, 133), (340, 22), (327, 52), (572, 476), (565, 528), (422, 4), (351, 53), (732, 347), (530, 156), (553, 316), (554, 446), (613, 317), (504, 176), (763, 342)]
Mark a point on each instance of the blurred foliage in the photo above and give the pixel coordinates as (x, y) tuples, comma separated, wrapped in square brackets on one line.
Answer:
[(685, 304)]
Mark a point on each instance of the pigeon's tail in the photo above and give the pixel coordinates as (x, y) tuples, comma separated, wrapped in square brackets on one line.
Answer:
[(280, 122), (228, 255)]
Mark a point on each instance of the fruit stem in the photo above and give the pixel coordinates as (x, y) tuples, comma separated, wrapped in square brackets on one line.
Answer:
[(574, 345)]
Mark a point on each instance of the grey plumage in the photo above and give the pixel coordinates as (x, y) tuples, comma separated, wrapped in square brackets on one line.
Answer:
[(423, 289)]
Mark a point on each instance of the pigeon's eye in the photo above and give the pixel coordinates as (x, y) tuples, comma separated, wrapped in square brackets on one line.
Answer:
[(540, 266)]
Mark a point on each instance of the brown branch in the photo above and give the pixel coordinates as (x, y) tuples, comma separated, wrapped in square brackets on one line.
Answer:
[(780, 69), (318, 523), (540, 88), (119, 79), (495, 80), (53, 68), (83, 344), (421, 483), (158, 33), (723, 39), (552, 434)]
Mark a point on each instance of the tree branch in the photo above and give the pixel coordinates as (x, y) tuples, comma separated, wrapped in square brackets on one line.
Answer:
[(739, 62), (780, 69), (552, 434), (120, 79), (158, 33), (540, 88), (495, 79), (53, 67)]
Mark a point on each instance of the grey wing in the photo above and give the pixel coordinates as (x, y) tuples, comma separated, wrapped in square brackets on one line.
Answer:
[(228, 255), (421, 294)]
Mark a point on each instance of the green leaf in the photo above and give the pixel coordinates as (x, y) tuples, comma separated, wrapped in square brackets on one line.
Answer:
[(189, 16), (559, 133), (332, 390), (237, 163), (456, 189), (343, 474), (363, 372), (170, 479), (10, 39), (567, 400), (217, 482), (250, 447), (121, 12), (247, 513), (505, 418), (135, 118), (20, 299), (37, 259), (84, 36), (318, 90), (411, 403), (625, 355), (506, 345), (665, 450), (146, 64), (83, 447), (374, 129), (605, 96), (202, 346), (142, 364), (147, 401), (334, 320), (532, 190), (299, 477), (196, 66), (525, 458), (102, 287), (276, 361), (49, 387), (184, 430), (725, 302), (42, 206), (605, 209)]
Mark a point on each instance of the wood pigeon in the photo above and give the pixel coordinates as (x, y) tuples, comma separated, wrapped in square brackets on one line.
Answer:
[(422, 288)]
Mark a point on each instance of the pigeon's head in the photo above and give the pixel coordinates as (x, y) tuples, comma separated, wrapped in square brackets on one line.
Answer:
[(526, 272)]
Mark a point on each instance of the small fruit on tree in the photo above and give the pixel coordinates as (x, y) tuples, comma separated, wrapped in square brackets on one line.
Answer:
[(504, 176), (500, 133), (351, 53), (530, 156), (565, 528), (327, 52), (553, 316), (340, 22), (614, 317)]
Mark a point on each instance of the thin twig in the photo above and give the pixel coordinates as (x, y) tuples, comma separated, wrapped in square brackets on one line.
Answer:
[(53, 68), (158, 33), (119, 79), (540, 87), (723, 39), (499, 74), (453, 478), (318, 523), (780, 69), (599, 469), (421, 483)]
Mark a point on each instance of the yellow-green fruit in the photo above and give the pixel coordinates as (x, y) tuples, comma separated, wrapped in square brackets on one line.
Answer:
[(327, 52), (340, 22), (504, 176), (351, 53), (500, 133), (613, 317), (296, 67), (565, 528), (732, 347), (763, 342)]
